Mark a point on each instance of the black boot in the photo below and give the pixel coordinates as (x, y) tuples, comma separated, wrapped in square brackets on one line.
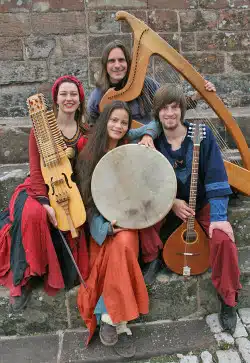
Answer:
[(150, 271), (227, 317)]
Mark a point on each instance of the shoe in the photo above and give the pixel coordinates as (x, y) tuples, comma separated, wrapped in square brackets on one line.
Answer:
[(108, 334), (19, 303), (150, 271), (228, 317), (125, 346)]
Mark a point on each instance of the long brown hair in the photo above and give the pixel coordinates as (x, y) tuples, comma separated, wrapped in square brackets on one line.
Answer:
[(167, 94), (95, 149), (103, 81), (80, 113)]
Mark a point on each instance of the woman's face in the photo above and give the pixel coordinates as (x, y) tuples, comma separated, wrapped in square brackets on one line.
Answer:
[(117, 125), (68, 97), (116, 65)]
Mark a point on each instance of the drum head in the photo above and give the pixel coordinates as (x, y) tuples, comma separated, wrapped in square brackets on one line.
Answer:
[(133, 185)]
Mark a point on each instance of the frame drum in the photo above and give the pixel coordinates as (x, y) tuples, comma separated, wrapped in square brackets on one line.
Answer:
[(134, 185)]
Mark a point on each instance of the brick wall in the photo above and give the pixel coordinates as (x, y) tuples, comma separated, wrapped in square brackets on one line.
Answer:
[(40, 40)]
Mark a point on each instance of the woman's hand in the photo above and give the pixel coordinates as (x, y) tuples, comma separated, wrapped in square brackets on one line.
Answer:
[(51, 214), (182, 209), (223, 226), (115, 229), (147, 141)]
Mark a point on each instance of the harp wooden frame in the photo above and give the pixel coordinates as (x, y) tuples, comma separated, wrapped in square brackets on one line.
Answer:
[(147, 43)]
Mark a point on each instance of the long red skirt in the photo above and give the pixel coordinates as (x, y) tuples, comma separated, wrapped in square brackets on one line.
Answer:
[(116, 275)]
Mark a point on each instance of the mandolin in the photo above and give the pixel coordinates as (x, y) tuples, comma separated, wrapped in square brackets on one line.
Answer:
[(186, 251)]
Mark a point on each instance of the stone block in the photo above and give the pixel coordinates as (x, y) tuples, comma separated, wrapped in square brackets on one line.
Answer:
[(102, 22), (223, 4), (140, 14), (23, 72), (118, 4), (10, 177), (244, 260), (187, 42), (14, 25), (227, 83), (94, 69), (244, 296), (11, 48), (57, 5), (245, 315), (43, 314), (15, 6), (207, 296), (243, 345), (76, 66), (14, 145), (227, 41), (240, 330), (239, 218), (74, 45), (38, 47), (191, 20), (13, 99), (228, 356), (58, 23), (37, 349), (177, 4), (234, 20), (213, 323), (163, 21), (172, 39), (98, 42), (241, 63), (207, 63)]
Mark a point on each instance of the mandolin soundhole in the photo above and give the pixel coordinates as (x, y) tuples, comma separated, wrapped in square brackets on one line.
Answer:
[(190, 237)]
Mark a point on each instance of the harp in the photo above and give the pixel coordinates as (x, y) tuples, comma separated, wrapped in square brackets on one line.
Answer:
[(148, 43)]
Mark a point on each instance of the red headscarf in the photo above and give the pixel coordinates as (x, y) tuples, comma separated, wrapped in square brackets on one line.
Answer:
[(67, 78)]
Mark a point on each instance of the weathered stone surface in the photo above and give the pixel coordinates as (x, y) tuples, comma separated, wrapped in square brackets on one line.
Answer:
[(162, 21), (178, 4), (15, 25), (222, 4), (40, 349), (57, 5), (244, 300), (43, 314), (189, 359), (75, 320), (59, 23), (240, 330), (14, 145), (244, 347), (74, 45), (22, 72), (208, 299), (187, 42), (98, 42), (103, 22), (207, 63), (198, 20), (140, 14), (244, 262), (110, 4), (76, 66), (206, 357), (241, 63), (172, 39), (11, 48), (228, 41), (245, 315), (234, 20), (38, 47), (94, 69), (10, 177), (13, 100), (213, 323), (227, 83), (15, 6), (228, 356), (224, 339)]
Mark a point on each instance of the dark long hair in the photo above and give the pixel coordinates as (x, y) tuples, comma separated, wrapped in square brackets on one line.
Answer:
[(95, 149), (103, 81), (80, 113)]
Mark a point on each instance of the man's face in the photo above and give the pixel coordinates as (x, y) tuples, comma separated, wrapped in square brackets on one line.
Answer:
[(117, 65), (170, 116)]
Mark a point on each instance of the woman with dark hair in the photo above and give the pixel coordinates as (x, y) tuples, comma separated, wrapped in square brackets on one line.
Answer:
[(30, 246), (115, 274)]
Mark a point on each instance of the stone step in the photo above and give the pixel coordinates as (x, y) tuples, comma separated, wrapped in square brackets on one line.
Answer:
[(15, 133), (161, 339)]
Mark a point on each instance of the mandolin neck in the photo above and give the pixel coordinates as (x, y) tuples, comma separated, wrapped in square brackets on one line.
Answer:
[(193, 186)]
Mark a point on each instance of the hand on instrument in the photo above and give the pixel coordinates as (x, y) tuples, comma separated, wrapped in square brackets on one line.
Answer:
[(51, 214), (115, 229), (224, 226), (147, 141), (209, 86), (182, 209)]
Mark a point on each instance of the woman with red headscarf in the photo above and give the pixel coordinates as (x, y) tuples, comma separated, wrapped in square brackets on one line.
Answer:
[(30, 244)]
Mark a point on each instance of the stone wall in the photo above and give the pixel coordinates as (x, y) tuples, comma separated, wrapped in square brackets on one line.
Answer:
[(40, 40)]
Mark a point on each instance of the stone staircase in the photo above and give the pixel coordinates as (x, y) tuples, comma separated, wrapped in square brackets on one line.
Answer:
[(171, 298)]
